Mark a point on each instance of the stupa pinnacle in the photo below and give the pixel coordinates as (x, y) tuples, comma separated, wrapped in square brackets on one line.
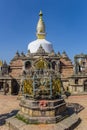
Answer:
[(41, 27), (41, 41)]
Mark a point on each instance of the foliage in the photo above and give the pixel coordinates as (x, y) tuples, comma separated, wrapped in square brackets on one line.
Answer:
[(22, 118), (25, 120)]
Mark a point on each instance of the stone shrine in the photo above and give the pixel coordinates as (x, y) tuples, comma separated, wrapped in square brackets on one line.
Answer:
[(42, 101)]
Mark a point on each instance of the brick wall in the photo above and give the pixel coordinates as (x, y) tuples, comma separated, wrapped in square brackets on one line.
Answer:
[(16, 68)]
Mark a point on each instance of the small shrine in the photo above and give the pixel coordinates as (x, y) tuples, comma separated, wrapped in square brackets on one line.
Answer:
[(42, 101)]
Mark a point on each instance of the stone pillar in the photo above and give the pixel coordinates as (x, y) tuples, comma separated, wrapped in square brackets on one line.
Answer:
[(58, 65), (3, 85), (50, 85), (75, 66), (9, 83)]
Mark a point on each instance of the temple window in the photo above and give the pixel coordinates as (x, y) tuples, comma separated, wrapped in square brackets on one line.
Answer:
[(76, 81), (53, 65), (27, 65)]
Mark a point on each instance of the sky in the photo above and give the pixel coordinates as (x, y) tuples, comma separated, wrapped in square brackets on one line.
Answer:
[(65, 21)]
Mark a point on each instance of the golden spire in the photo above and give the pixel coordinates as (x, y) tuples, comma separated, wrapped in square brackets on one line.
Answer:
[(40, 27)]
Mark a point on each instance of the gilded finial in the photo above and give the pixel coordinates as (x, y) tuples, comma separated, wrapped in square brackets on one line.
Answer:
[(40, 14), (41, 27)]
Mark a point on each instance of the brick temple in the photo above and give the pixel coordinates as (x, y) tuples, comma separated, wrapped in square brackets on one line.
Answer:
[(41, 55)]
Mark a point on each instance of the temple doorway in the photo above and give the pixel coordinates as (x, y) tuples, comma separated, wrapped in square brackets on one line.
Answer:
[(85, 86), (14, 87)]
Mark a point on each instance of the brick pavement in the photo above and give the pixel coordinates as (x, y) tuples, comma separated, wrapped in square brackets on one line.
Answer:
[(10, 104)]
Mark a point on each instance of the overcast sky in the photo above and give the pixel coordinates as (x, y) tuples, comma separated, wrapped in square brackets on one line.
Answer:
[(65, 20)]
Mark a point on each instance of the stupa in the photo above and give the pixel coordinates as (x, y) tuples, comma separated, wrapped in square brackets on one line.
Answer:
[(41, 87), (42, 102)]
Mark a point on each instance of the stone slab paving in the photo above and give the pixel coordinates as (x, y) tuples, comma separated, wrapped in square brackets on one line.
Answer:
[(82, 100), (8, 107), (10, 104), (66, 124)]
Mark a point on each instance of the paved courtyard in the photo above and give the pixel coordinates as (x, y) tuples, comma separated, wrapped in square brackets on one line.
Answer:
[(9, 105), (82, 100)]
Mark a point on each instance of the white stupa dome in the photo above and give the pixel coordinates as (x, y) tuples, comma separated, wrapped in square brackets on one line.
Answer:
[(34, 45), (41, 41)]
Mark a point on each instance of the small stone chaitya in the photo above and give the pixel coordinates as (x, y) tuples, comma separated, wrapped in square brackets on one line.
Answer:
[(42, 101)]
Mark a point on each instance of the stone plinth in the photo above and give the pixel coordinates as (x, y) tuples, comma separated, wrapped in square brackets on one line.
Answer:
[(67, 124), (42, 111)]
